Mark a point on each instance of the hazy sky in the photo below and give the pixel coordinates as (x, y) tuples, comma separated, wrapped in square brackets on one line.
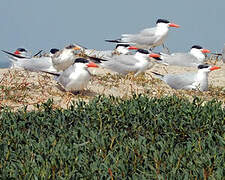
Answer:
[(43, 24)]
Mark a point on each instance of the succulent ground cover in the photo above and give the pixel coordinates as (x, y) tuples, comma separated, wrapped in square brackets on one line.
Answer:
[(112, 138)]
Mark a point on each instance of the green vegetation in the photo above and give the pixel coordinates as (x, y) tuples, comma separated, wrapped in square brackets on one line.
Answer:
[(111, 138)]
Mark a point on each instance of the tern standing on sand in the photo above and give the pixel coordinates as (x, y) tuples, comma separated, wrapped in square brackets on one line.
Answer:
[(123, 64), (196, 80), (75, 77), (195, 57)]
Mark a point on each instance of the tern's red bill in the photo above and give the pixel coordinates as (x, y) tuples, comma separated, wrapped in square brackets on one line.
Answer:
[(205, 51), (16, 52), (76, 48), (132, 48), (214, 68), (174, 25), (154, 55), (91, 64)]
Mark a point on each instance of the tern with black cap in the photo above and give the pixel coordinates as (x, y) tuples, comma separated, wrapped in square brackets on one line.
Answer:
[(35, 64), (123, 64), (76, 76), (194, 80), (193, 58), (21, 52), (149, 37)]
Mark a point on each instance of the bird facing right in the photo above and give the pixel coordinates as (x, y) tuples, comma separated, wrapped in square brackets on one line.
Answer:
[(194, 80), (76, 76), (149, 37), (124, 64), (195, 57)]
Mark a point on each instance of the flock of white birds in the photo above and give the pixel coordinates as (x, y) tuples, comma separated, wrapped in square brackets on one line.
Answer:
[(133, 53)]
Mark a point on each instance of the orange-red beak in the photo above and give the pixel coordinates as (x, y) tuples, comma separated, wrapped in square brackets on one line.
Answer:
[(91, 64), (154, 55), (76, 48), (205, 51), (214, 68), (16, 52), (132, 48), (174, 25)]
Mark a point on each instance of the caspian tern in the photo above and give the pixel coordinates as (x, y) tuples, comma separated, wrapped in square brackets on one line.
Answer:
[(195, 80), (124, 64), (36, 64), (64, 58), (75, 77), (149, 37), (193, 58)]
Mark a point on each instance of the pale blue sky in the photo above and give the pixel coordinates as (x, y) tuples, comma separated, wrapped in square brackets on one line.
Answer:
[(43, 24)]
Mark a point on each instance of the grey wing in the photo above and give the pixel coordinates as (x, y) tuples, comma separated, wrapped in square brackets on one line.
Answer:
[(64, 76), (180, 81), (144, 32), (145, 40), (148, 32), (121, 64), (181, 59), (34, 64), (146, 36), (140, 39)]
